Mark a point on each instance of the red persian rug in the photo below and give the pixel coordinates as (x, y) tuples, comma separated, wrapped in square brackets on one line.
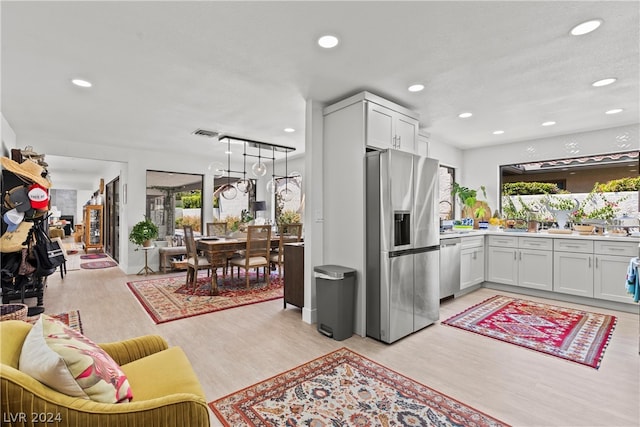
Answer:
[(344, 388), (166, 299), (575, 335)]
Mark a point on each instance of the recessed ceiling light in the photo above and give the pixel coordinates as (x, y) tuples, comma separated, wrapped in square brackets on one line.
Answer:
[(81, 83), (614, 111), (604, 82), (328, 41), (498, 132), (465, 115), (586, 27), (228, 152), (289, 130), (416, 88), (549, 123)]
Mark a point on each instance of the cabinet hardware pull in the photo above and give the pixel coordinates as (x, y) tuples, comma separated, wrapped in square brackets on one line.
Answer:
[(589, 262), (399, 141), (515, 256), (520, 256), (596, 262)]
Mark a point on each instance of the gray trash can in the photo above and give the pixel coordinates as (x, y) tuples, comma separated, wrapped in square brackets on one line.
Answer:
[(335, 294)]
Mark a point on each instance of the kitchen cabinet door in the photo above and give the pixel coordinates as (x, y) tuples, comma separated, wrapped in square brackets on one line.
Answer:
[(380, 132), (573, 273), (535, 269), (471, 267), (406, 133), (609, 278), (387, 128), (503, 265)]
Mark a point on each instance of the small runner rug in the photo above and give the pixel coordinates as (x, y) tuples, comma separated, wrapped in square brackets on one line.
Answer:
[(94, 265), (93, 256), (344, 388), (575, 335), (166, 299), (70, 318)]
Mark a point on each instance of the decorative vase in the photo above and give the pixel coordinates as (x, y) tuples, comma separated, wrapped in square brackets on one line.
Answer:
[(561, 216), (147, 243)]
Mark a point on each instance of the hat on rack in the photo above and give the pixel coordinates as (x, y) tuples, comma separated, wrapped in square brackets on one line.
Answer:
[(13, 218), (27, 169), (17, 198), (11, 241), (39, 197)]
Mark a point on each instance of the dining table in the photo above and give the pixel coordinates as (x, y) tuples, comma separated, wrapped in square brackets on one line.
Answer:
[(219, 249)]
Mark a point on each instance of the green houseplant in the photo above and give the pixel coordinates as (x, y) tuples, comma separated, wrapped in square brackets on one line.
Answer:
[(143, 232), (470, 204)]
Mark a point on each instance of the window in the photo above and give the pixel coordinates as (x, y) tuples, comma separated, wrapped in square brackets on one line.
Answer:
[(447, 176), (173, 200)]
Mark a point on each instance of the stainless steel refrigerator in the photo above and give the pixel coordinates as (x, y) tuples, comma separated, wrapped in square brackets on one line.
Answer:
[(402, 241)]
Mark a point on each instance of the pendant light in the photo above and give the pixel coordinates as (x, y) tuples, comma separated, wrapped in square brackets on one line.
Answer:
[(244, 185), (229, 192), (271, 184), (259, 168), (285, 193), (216, 169)]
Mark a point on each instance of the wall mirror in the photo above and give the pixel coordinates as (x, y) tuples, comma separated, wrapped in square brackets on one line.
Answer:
[(174, 200)]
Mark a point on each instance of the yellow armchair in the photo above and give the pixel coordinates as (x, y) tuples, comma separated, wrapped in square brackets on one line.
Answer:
[(166, 391)]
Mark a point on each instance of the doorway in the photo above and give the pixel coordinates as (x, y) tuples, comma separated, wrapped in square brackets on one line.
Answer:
[(112, 219)]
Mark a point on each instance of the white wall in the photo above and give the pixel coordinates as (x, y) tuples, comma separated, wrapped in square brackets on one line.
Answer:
[(481, 166), (8, 137)]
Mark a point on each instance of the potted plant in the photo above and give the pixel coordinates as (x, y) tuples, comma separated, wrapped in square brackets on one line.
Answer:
[(471, 206), (143, 233)]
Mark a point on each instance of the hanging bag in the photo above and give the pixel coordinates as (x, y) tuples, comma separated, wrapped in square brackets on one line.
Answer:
[(49, 255)]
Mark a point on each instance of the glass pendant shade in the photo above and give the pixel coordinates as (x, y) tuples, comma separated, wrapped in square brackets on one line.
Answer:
[(216, 169), (259, 169), (271, 186), (244, 185), (286, 194), (296, 176), (229, 192)]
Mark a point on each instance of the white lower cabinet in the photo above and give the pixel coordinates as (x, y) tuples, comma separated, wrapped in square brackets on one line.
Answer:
[(575, 266), (471, 262), (611, 264), (512, 261), (573, 273)]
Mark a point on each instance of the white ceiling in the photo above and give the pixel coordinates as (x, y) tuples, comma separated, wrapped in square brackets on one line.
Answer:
[(164, 69)]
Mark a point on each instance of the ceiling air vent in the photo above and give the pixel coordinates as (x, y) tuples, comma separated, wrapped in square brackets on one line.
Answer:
[(206, 133)]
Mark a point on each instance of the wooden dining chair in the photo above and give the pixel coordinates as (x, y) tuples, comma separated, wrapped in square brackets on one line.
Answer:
[(195, 261), (257, 252), (217, 228), (289, 233)]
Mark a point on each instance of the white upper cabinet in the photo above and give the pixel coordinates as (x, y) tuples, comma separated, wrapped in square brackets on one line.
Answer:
[(387, 128)]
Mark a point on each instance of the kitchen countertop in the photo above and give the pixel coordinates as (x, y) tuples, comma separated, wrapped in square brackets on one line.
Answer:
[(574, 235)]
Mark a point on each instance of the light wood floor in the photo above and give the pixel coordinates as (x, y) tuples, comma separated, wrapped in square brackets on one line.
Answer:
[(235, 348)]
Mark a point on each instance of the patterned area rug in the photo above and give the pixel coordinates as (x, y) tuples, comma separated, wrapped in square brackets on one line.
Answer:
[(70, 318), (575, 335), (166, 299), (344, 388), (94, 265)]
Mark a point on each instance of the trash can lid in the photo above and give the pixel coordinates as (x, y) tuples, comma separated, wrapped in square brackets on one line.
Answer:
[(335, 271)]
